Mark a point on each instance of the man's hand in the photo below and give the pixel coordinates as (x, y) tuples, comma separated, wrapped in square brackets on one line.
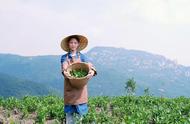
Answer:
[(65, 65), (90, 74), (66, 74)]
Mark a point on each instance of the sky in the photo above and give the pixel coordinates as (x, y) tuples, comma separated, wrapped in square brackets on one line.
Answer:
[(36, 27)]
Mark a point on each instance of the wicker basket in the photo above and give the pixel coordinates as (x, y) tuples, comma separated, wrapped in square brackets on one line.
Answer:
[(78, 82)]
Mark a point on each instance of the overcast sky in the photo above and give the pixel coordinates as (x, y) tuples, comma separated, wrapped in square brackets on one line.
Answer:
[(36, 27)]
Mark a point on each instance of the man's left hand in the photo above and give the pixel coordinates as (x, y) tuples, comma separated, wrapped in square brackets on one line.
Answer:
[(90, 74)]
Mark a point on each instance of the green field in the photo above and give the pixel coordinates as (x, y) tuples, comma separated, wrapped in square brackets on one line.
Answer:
[(108, 110)]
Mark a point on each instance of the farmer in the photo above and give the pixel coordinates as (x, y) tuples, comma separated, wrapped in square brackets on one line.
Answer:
[(75, 100)]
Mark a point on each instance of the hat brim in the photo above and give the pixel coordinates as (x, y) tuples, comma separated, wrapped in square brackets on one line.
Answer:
[(83, 42)]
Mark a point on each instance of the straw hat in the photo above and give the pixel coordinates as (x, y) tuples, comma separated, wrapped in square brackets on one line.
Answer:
[(83, 42)]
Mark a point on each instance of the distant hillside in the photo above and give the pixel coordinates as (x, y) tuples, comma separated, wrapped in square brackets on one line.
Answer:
[(161, 75), (12, 86), (44, 69), (114, 65)]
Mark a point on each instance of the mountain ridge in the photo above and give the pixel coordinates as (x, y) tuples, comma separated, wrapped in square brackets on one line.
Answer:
[(114, 65)]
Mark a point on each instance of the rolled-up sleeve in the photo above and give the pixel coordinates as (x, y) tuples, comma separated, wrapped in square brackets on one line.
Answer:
[(63, 58)]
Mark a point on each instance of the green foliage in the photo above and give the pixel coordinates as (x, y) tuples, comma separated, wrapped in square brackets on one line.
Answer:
[(78, 73), (112, 110), (146, 91), (130, 86)]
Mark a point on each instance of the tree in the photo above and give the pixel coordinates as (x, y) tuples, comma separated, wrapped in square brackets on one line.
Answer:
[(130, 86), (146, 91)]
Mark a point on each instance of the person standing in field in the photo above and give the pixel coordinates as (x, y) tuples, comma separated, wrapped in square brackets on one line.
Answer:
[(75, 100)]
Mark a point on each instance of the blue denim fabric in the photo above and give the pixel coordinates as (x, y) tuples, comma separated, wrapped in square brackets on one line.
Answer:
[(82, 56), (81, 109)]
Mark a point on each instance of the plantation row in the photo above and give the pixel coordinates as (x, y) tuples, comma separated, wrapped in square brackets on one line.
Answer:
[(108, 110)]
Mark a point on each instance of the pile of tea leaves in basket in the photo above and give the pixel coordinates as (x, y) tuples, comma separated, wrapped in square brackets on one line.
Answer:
[(78, 73)]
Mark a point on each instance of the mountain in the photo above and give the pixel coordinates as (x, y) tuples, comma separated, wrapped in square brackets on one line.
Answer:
[(114, 65), (12, 86), (161, 75)]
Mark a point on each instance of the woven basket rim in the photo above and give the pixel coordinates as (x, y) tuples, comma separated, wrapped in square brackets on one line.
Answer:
[(71, 77)]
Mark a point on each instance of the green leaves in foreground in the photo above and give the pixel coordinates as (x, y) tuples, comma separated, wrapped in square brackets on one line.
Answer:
[(111, 110)]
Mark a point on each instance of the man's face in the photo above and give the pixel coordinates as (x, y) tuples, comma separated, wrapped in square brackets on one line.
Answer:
[(73, 44)]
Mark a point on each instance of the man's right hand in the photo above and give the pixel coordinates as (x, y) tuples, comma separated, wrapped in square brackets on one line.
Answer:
[(66, 74)]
